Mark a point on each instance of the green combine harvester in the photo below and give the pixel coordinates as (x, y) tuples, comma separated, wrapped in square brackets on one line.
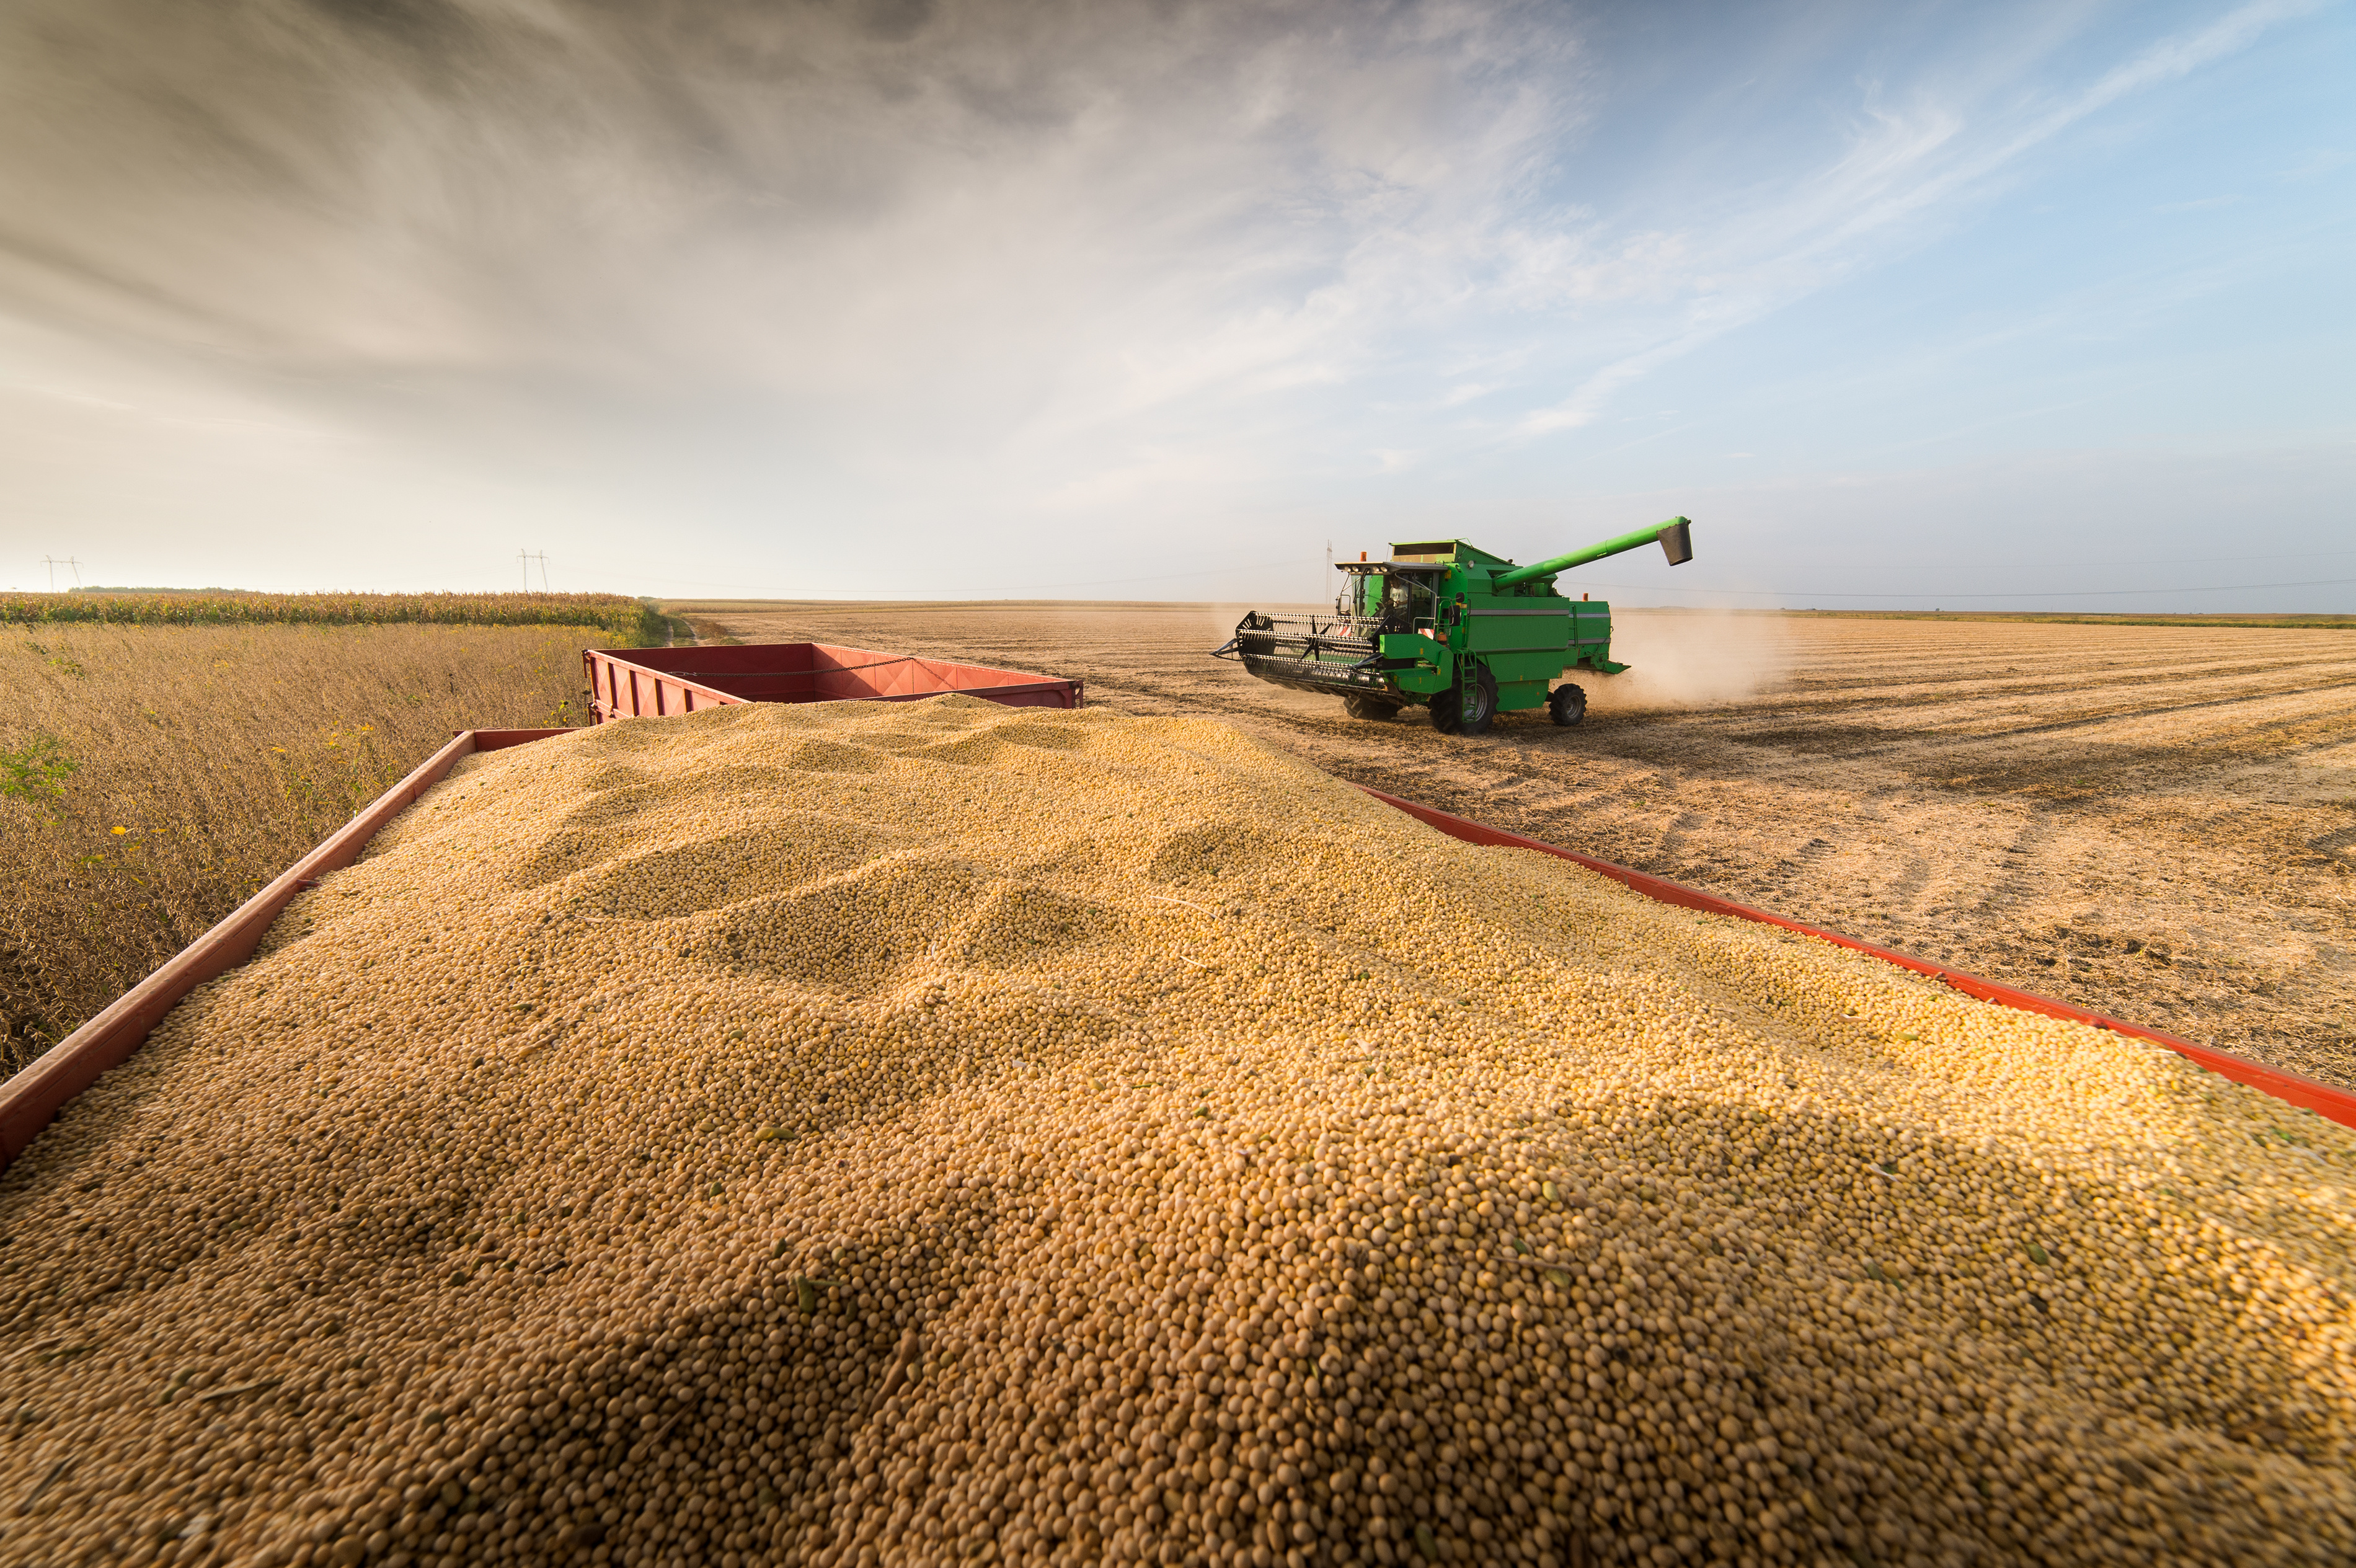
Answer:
[(1461, 630)]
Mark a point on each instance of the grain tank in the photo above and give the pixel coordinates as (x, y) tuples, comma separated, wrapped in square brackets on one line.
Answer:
[(1451, 628)]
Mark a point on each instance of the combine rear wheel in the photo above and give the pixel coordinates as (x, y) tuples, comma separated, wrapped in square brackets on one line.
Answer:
[(1568, 704), (1467, 707), (1369, 708)]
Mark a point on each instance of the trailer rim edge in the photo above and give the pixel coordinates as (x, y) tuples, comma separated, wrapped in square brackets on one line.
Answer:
[(2328, 1101), (31, 1100)]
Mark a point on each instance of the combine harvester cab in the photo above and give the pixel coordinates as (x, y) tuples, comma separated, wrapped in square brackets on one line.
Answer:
[(1451, 627)]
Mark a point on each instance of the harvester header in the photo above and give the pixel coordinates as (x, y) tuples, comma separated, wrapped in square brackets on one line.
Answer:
[(1447, 625)]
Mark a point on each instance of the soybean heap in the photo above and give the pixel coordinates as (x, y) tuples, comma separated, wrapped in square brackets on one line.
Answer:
[(941, 1133)]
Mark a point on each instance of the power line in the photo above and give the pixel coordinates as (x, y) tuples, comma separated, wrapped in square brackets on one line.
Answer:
[(527, 557), (1789, 595), (2209, 560), (1036, 587), (52, 563)]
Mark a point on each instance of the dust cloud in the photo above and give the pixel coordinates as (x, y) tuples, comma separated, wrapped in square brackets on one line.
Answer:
[(1692, 658)]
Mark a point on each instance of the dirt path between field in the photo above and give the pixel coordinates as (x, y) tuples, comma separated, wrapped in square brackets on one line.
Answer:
[(2156, 821)]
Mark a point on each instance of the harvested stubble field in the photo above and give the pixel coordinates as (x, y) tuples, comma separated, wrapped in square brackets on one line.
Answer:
[(154, 776), (2154, 821), (945, 1133)]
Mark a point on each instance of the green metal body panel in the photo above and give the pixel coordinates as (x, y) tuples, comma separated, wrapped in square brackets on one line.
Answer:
[(1407, 629)]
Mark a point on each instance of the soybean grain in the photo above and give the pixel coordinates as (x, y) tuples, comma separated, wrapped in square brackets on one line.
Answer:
[(937, 1133)]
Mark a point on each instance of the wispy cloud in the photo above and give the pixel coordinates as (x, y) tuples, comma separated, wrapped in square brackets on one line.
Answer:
[(822, 198), (816, 273), (1900, 175), (1067, 251)]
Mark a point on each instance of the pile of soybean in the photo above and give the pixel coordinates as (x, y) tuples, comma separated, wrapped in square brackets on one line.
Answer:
[(940, 1133)]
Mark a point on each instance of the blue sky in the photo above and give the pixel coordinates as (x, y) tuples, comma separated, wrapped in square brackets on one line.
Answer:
[(1975, 306)]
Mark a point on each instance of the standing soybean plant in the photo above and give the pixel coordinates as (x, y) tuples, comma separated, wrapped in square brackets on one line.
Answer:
[(152, 777)]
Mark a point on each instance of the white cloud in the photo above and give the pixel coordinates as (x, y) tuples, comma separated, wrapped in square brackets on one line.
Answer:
[(1041, 246), (805, 276), (1904, 171)]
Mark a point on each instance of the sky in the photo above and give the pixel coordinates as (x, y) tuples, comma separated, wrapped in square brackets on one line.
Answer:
[(1974, 307)]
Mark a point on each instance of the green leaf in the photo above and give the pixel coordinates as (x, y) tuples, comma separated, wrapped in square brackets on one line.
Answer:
[(35, 770)]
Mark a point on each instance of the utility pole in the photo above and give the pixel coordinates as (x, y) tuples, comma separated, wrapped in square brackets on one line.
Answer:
[(52, 563)]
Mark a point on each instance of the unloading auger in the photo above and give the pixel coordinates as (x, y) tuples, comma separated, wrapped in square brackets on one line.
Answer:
[(1451, 627)]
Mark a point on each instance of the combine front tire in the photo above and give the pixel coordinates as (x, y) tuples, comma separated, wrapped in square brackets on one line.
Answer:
[(1469, 706), (1369, 708), (1568, 704)]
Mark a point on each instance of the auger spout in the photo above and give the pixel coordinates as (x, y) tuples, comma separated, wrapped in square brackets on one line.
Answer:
[(1676, 543)]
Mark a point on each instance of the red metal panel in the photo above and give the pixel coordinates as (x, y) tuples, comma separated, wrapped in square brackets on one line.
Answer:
[(32, 1099), (2325, 1100), (691, 679), (500, 739), (1050, 694)]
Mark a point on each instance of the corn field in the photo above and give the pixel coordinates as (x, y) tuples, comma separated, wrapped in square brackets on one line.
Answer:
[(628, 621)]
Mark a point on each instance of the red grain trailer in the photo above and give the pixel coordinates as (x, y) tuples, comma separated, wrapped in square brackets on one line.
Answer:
[(32, 1099), (649, 682)]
